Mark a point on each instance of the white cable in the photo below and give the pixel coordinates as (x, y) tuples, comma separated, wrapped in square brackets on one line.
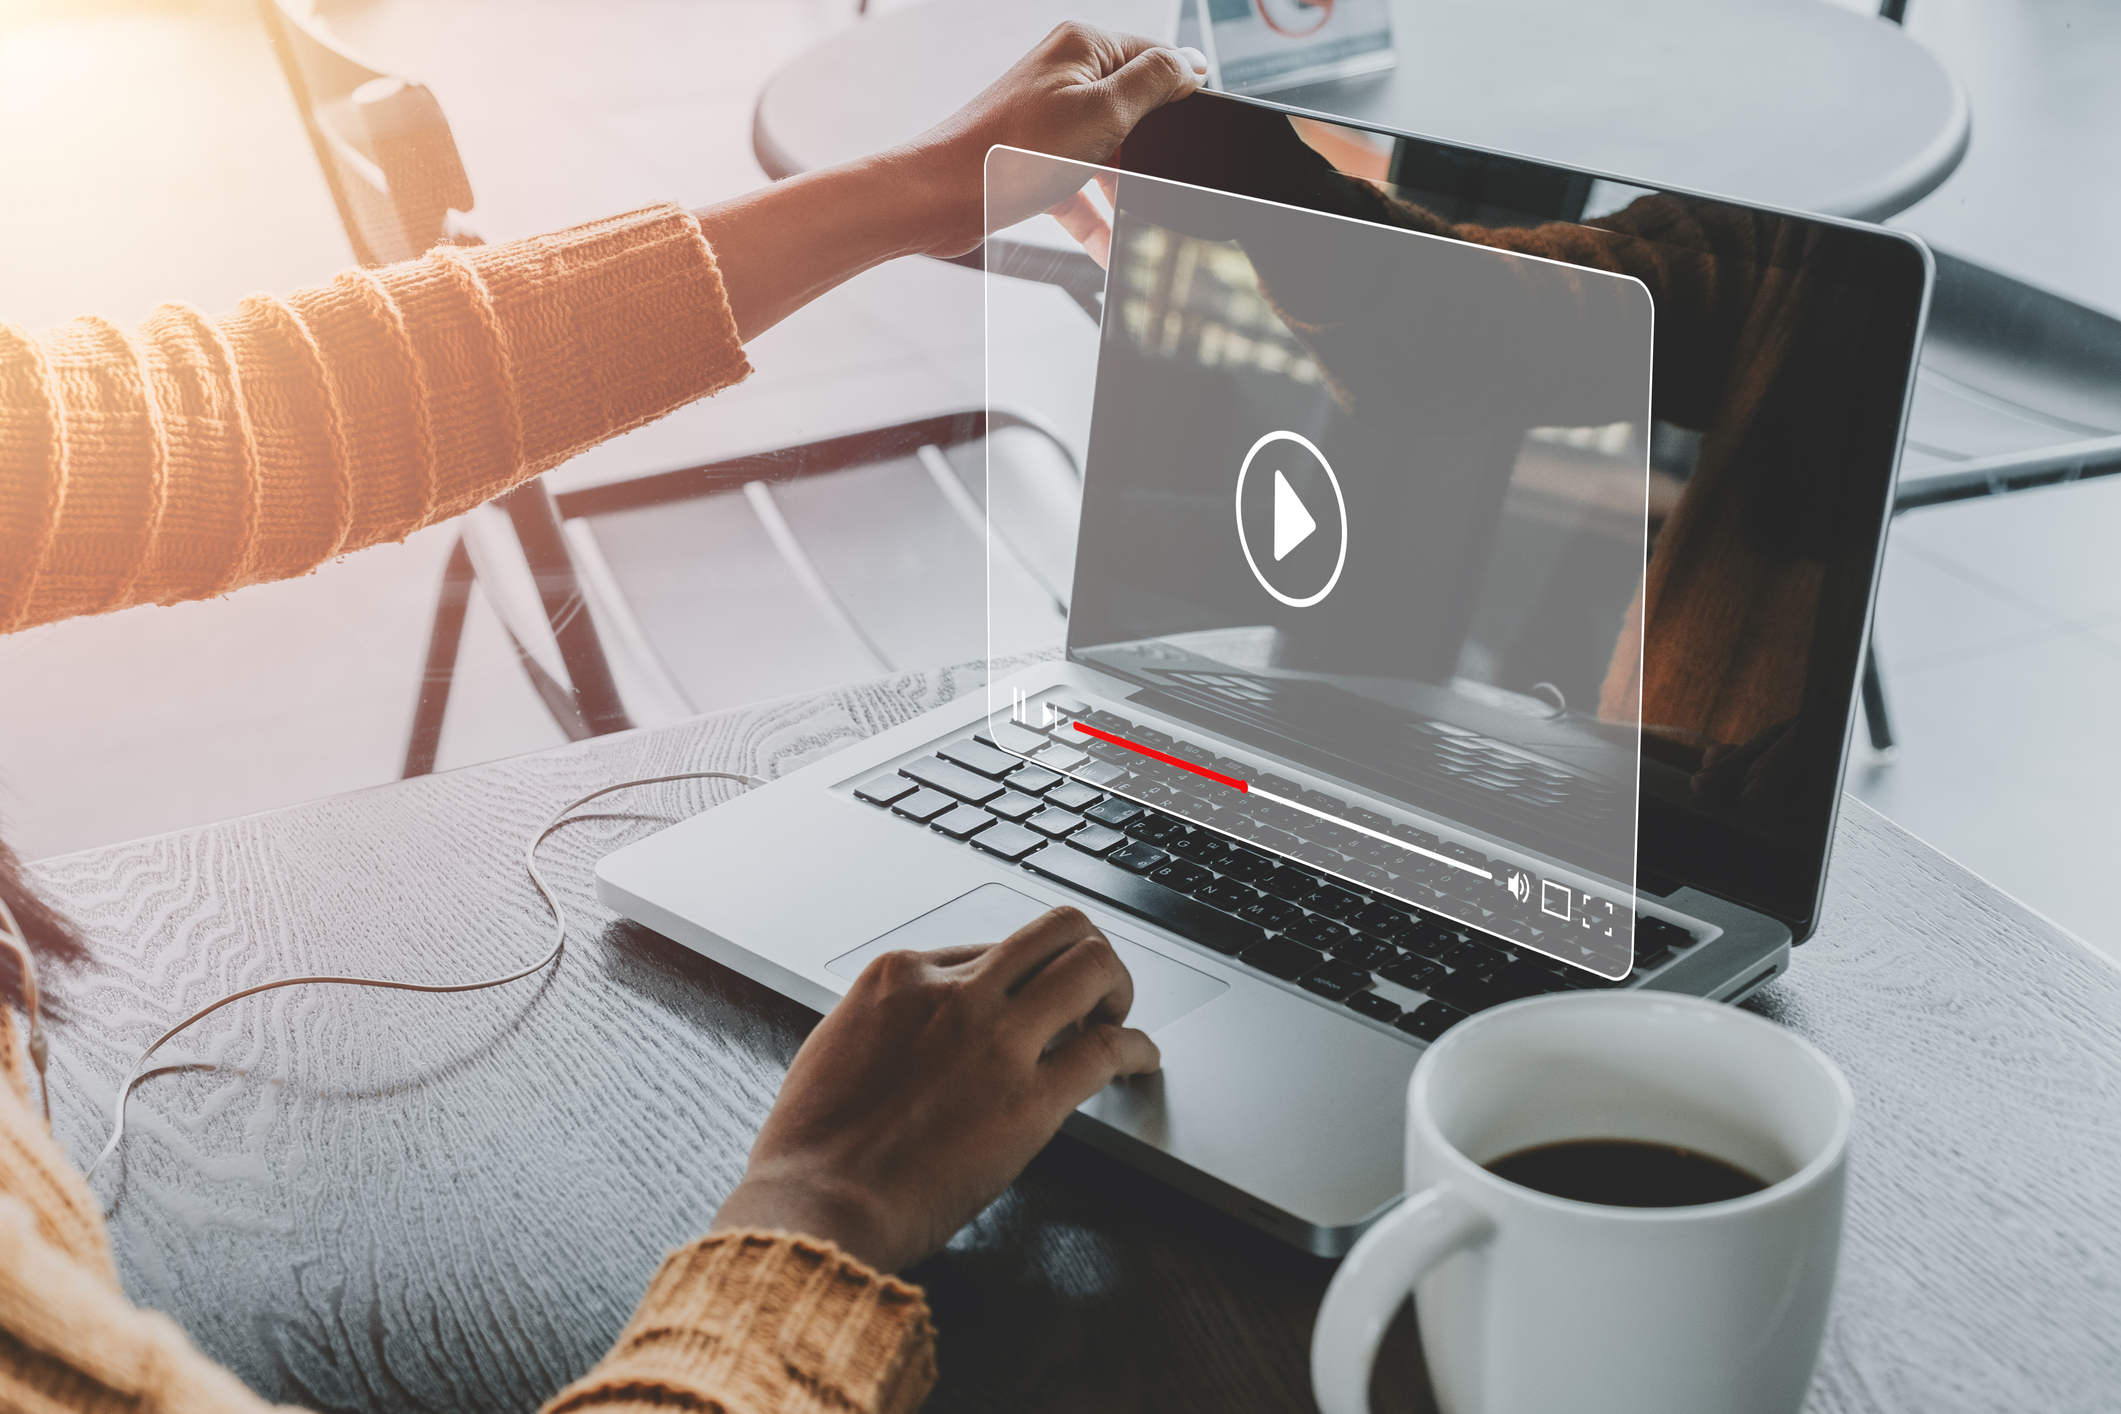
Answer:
[(530, 864)]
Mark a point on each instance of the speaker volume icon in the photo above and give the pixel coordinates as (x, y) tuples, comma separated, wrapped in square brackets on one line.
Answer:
[(1520, 885)]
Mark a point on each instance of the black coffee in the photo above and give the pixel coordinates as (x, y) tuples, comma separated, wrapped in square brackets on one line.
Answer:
[(1626, 1173)]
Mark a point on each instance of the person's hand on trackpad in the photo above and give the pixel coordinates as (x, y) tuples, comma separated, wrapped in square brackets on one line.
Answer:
[(931, 1085)]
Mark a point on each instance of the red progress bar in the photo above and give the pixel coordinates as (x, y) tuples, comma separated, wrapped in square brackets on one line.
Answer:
[(1231, 781)]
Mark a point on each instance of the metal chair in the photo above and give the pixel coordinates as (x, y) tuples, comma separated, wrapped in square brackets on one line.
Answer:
[(538, 560), (394, 173), (2019, 388)]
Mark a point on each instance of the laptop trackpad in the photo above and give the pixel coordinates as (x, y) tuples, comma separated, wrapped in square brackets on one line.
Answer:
[(1163, 990)]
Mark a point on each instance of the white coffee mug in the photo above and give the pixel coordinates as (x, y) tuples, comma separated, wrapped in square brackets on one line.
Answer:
[(1531, 1304)]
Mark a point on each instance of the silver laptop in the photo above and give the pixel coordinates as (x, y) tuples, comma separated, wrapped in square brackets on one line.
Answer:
[(1317, 850)]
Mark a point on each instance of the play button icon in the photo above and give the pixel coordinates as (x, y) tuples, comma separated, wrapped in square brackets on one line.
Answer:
[(1292, 523), (1283, 510)]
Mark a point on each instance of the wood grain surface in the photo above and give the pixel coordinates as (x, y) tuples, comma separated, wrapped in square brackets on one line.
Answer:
[(388, 1201)]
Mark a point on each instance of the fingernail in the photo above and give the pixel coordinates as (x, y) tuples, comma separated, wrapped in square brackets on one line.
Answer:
[(1196, 60)]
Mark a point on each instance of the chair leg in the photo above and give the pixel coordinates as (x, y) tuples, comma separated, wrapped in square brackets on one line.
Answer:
[(537, 526), (1874, 713), (441, 668)]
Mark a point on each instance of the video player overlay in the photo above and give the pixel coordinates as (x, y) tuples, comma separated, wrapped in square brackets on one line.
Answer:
[(1359, 560)]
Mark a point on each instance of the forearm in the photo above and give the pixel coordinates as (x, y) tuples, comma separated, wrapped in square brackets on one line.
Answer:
[(191, 456), (783, 245)]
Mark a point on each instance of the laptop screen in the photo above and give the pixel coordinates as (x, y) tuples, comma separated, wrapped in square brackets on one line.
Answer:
[(1783, 350), (1342, 481)]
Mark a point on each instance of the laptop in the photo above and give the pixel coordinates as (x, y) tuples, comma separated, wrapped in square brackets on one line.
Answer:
[(1315, 859)]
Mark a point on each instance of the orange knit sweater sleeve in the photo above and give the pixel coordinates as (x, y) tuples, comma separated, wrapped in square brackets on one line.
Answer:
[(733, 1323), (192, 456)]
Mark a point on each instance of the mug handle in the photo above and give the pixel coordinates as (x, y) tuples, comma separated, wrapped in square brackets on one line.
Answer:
[(1375, 1277)]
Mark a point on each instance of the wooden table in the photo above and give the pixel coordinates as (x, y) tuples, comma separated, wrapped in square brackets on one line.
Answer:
[(390, 1201), (1795, 103)]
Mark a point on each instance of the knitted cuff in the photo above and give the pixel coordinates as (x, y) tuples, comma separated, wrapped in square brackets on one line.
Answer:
[(766, 1320)]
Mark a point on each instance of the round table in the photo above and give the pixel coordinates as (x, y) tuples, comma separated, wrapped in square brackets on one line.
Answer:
[(387, 1202), (1792, 103)]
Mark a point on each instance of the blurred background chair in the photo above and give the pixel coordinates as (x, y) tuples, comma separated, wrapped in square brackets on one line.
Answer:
[(2019, 388), (646, 599)]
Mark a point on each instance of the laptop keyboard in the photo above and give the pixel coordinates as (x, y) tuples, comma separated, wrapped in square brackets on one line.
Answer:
[(1370, 953)]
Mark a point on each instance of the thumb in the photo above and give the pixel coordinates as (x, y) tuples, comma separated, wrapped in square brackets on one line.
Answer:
[(1151, 79)]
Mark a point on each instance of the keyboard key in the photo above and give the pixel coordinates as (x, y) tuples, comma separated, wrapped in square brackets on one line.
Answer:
[(1413, 836), (1096, 839), (1384, 922), (975, 757), (1288, 883), (1336, 981), (1272, 913), (1058, 757), (952, 780), (923, 805), (1012, 737), (1200, 847), (1073, 796), (1280, 841), (1430, 940), (1281, 958), (1102, 773), (1032, 780), (1334, 903), (1114, 812), (1186, 878), (1014, 805), (1246, 866), (1069, 707), (1654, 933), (885, 789), (1472, 991), (1011, 842), (1321, 933), (1374, 878), (1138, 857), (1318, 856), (963, 822), (1157, 828), (1366, 952), (1373, 1006), (1471, 957), (1522, 979), (1110, 884), (1228, 895), (1430, 1020), (1339, 837), (1051, 821), (1413, 973)]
